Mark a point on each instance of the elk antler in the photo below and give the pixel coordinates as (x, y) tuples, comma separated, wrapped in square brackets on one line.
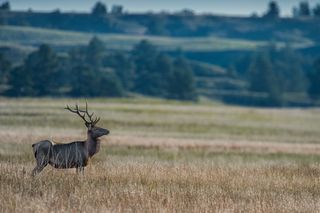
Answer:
[(92, 122), (83, 116)]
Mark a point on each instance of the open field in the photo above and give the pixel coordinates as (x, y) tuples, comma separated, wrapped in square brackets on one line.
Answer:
[(29, 37), (164, 156)]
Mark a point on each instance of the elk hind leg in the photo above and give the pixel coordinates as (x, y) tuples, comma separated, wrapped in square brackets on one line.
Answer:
[(80, 170)]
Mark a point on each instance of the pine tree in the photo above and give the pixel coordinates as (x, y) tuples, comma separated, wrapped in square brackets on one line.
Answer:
[(182, 82), (314, 77), (95, 52), (5, 67), (262, 78), (37, 76), (144, 56), (99, 9), (304, 9), (273, 10), (316, 11)]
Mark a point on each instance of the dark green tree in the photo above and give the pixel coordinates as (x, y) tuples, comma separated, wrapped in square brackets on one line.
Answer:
[(314, 78), (288, 64), (304, 9), (259, 73), (262, 78), (37, 76), (88, 82), (93, 71), (84, 81), (164, 68), (44, 66), (143, 49), (149, 83), (5, 67), (20, 82), (123, 67), (154, 81), (316, 11), (95, 52), (182, 82), (146, 80), (273, 10), (77, 56), (157, 75), (110, 86), (5, 6), (99, 9), (157, 25)]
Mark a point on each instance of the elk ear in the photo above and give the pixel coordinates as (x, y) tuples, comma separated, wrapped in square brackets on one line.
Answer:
[(87, 125)]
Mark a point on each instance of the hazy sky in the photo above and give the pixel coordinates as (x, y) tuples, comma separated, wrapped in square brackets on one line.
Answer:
[(231, 7)]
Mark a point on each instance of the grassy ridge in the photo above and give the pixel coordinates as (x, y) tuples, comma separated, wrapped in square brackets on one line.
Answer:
[(27, 37), (164, 156)]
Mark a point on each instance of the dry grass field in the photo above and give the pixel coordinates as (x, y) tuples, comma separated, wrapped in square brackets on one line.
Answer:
[(164, 156)]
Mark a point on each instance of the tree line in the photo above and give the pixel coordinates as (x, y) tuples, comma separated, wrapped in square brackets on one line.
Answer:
[(302, 10), (92, 71), (279, 73)]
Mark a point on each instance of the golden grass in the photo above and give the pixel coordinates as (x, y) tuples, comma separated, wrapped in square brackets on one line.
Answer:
[(164, 157), (129, 184)]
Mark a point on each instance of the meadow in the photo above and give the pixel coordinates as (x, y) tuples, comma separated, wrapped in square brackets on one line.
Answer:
[(26, 38), (164, 156)]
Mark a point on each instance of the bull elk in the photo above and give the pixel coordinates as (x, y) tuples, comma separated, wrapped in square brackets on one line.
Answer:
[(71, 155)]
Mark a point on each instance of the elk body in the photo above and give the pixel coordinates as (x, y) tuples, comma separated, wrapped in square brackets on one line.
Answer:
[(71, 155)]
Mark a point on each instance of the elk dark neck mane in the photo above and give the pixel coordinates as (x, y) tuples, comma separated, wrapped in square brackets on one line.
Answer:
[(93, 145)]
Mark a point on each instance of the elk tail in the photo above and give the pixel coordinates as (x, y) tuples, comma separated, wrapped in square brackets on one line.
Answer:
[(35, 148)]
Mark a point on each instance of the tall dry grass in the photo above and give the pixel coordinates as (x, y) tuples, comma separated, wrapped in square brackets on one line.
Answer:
[(136, 184), (164, 157)]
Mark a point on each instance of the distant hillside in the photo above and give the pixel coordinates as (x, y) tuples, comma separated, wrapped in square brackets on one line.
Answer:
[(215, 82), (29, 37), (176, 25)]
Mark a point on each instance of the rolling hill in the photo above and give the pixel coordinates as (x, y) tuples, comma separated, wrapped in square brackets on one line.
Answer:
[(30, 37)]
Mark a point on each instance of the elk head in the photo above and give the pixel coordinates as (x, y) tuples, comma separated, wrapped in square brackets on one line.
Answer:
[(90, 122)]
